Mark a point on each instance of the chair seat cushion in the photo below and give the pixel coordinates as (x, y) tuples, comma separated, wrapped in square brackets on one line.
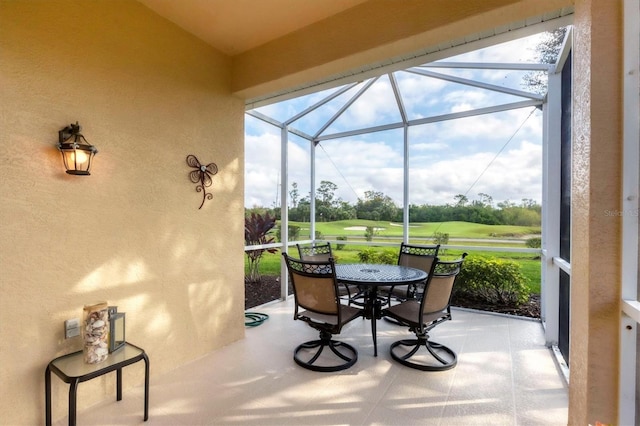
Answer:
[(347, 313), (409, 312)]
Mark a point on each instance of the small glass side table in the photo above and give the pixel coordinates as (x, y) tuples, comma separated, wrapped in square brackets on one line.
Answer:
[(72, 369)]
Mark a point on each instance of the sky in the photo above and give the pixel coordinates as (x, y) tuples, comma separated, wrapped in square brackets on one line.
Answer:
[(498, 154)]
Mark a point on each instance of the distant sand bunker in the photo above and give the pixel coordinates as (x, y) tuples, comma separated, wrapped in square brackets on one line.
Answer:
[(361, 228)]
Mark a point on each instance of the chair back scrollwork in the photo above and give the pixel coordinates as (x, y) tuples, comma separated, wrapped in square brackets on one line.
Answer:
[(317, 252), (419, 257)]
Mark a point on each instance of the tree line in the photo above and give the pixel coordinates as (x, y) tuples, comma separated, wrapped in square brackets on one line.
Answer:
[(378, 206)]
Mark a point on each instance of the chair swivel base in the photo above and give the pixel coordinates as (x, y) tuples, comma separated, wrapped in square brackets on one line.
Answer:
[(436, 350), (345, 357)]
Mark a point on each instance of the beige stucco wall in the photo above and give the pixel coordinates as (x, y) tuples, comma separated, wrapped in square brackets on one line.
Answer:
[(596, 241), (147, 94)]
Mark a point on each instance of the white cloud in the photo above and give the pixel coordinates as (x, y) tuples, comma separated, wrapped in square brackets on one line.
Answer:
[(262, 169), (376, 106), (438, 170), (514, 175), (434, 146)]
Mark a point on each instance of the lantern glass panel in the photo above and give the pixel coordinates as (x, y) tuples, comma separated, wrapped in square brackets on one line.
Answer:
[(116, 334)]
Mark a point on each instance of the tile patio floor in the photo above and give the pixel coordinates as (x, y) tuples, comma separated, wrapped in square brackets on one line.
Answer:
[(505, 376)]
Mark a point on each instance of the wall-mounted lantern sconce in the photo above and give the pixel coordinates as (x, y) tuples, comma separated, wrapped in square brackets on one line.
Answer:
[(77, 154)]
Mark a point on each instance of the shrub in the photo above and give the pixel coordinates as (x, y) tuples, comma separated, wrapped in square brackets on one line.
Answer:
[(371, 255), (341, 238), (441, 238), (369, 232), (494, 281), (388, 256), (294, 233), (367, 255), (256, 230), (535, 242)]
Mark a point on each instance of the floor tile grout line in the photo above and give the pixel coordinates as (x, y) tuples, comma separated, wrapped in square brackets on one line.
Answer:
[(512, 374), (451, 383)]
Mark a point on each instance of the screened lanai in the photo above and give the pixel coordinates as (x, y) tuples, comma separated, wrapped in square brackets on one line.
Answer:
[(466, 125), (404, 119), (396, 123)]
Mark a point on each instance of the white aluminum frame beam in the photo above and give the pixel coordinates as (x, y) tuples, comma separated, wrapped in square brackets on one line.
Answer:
[(345, 107), (488, 66), (319, 103), (473, 83), (434, 119), (630, 315), (478, 111), (405, 158), (284, 210), (312, 192)]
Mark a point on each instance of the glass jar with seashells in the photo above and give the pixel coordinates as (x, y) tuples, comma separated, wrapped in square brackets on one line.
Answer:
[(95, 332)]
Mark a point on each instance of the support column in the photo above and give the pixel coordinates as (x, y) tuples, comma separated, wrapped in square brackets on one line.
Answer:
[(405, 191), (551, 208), (312, 191), (284, 211), (595, 227)]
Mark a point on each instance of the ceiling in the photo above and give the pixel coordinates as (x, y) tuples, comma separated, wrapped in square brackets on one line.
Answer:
[(256, 30), (235, 26)]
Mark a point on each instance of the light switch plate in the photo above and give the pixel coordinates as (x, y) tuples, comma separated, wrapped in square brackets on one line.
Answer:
[(71, 328)]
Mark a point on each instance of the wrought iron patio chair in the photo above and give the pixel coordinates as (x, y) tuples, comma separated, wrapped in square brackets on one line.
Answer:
[(317, 302), (316, 252), (322, 252), (422, 315), (414, 256)]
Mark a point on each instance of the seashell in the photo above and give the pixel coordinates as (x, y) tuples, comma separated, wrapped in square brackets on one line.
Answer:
[(98, 323)]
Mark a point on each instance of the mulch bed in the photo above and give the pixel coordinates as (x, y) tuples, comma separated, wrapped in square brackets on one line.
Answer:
[(268, 289), (530, 309)]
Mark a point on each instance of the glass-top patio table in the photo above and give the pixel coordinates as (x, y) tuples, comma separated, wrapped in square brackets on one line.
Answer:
[(371, 276)]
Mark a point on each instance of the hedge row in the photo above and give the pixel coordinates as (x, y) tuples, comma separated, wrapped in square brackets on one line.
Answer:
[(489, 280)]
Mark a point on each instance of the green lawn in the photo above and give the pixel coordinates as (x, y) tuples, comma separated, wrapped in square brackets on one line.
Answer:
[(529, 262), (417, 230)]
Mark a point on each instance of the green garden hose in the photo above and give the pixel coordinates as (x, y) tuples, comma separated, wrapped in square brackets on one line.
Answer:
[(254, 319)]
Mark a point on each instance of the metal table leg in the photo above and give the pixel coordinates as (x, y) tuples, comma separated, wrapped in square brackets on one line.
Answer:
[(73, 394), (47, 395), (119, 384), (146, 386), (373, 313)]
